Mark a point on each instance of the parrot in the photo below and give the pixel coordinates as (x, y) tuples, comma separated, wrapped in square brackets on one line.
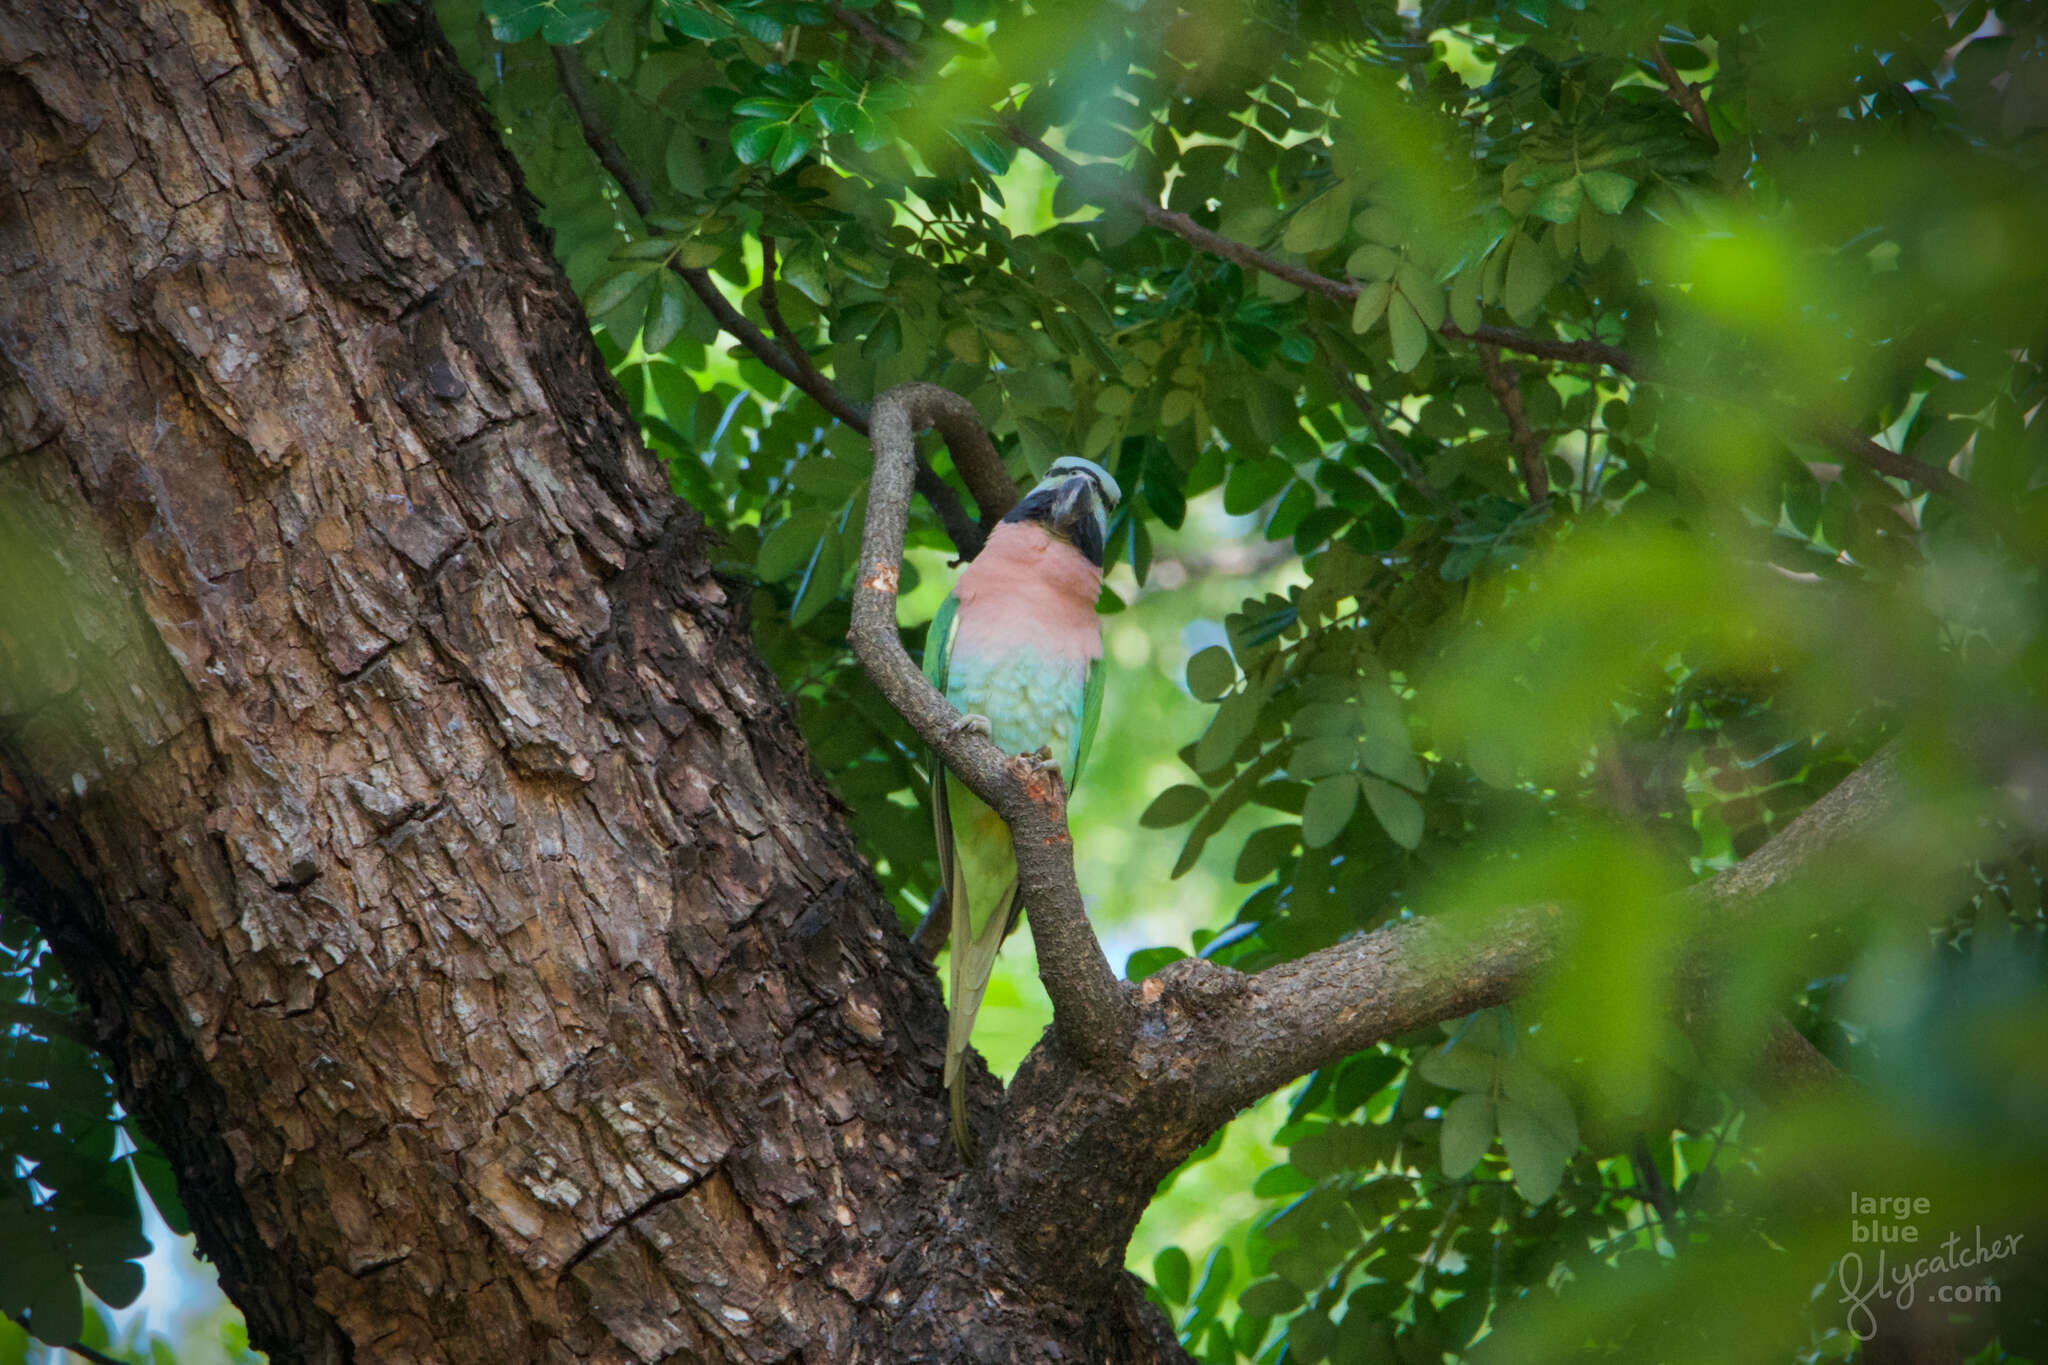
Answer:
[(1017, 647)]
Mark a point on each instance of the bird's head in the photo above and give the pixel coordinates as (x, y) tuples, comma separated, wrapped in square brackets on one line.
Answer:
[(1073, 502)]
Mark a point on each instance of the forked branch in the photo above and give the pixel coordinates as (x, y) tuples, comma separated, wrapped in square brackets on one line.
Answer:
[(1091, 1016)]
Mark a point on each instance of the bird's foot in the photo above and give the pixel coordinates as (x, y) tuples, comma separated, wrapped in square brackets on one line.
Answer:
[(1040, 774), (979, 725)]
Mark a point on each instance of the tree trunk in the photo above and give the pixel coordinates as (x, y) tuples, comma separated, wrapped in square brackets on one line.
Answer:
[(441, 869)]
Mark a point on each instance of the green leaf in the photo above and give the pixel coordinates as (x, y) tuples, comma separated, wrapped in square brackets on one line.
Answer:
[(1411, 338), (1175, 806), (1398, 813), (761, 27), (691, 21), (1319, 224), (837, 115), (1459, 1068), (1425, 294), (699, 254), (1610, 191), (1372, 301), (1464, 300), (1146, 961), (1328, 809), (1537, 1152), (1532, 270), (1558, 203), (666, 315), (1322, 756), (685, 162), (992, 156), (615, 291), (117, 1283), (1269, 1297), (1211, 673), (154, 1170), (1229, 727), (820, 581), (1251, 482), (514, 21), (1264, 852), (1373, 262), (1217, 1272), (790, 146), (761, 107), (56, 1315), (1281, 1182), (755, 139), (1467, 1133), (788, 547), (1172, 1274)]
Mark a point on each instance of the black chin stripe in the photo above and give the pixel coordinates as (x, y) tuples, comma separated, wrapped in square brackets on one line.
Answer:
[(1088, 540), (1037, 507)]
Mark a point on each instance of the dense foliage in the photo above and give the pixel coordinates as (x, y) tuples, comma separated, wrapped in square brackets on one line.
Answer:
[(1651, 398)]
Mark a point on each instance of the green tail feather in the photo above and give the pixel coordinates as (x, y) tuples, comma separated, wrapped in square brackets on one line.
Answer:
[(973, 961)]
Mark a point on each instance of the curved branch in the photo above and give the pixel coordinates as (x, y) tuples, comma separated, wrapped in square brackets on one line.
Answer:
[(1092, 1019)]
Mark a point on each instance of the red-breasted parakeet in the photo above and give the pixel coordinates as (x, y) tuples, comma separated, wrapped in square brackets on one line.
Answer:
[(1017, 647)]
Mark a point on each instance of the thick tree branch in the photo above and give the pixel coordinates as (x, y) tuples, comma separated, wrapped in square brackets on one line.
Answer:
[(1091, 1016), (1507, 391), (981, 465), (1296, 1017)]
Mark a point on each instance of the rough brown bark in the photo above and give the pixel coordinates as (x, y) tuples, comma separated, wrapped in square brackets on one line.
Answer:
[(442, 872)]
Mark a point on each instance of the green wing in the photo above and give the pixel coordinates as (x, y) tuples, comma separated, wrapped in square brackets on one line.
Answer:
[(1091, 712), (938, 642), (938, 654)]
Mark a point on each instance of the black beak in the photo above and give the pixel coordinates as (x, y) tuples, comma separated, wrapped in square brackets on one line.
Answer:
[(1071, 503)]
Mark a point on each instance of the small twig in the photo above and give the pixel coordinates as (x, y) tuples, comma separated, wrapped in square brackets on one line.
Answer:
[(1687, 96), (1507, 391), (85, 1352), (1552, 348), (46, 1021), (1179, 224), (1410, 467), (1841, 437), (771, 308), (1092, 1018), (873, 34), (77, 1348)]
